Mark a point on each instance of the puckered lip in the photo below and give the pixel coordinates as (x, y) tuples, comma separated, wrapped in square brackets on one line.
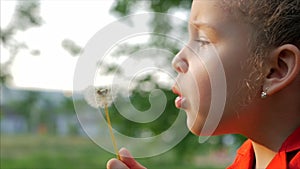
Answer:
[(176, 90)]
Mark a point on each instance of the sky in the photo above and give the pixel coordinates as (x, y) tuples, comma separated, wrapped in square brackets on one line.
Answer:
[(53, 69)]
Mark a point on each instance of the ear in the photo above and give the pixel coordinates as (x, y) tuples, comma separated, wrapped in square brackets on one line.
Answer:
[(284, 68)]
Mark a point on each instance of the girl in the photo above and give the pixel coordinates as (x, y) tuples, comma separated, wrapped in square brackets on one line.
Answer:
[(258, 43)]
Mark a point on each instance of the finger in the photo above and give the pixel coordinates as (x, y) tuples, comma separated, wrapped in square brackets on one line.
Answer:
[(115, 164), (128, 159)]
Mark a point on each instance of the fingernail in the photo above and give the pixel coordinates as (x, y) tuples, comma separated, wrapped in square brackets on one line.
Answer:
[(116, 164), (124, 152)]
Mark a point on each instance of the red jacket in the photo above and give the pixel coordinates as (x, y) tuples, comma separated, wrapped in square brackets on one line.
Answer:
[(288, 155)]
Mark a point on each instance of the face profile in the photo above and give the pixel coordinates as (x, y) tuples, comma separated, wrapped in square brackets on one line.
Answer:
[(213, 31)]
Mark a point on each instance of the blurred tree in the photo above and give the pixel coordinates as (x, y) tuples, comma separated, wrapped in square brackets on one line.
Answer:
[(139, 99), (158, 24), (39, 109), (26, 15), (71, 47)]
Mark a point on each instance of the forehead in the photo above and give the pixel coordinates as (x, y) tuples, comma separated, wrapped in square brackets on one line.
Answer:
[(212, 13), (208, 11)]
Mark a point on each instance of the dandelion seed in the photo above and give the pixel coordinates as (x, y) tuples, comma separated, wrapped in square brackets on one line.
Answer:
[(102, 97)]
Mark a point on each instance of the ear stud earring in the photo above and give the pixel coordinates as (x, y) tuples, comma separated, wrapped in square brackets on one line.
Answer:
[(264, 94)]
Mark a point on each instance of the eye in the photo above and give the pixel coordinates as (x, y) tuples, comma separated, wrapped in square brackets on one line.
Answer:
[(202, 42)]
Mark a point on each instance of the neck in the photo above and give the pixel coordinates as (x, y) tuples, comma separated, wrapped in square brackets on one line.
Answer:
[(268, 141), (268, 132)]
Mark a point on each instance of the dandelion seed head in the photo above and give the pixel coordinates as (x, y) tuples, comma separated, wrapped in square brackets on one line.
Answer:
[(98, 96)]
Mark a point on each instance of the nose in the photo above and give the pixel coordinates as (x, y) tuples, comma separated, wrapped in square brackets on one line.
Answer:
[(180, 63)]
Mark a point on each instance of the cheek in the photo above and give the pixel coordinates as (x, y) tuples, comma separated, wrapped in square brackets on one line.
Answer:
[(235, 55), (237, 72), (198, 95), (210, 72)]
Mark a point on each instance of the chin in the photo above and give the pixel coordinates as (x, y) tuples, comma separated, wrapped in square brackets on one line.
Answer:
[(196, 128), (196, 123)]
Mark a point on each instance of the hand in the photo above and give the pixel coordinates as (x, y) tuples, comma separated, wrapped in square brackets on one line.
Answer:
[(126, 161)]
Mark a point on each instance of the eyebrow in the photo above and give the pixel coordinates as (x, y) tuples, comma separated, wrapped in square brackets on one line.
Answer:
[(209, 29), (203, 25)]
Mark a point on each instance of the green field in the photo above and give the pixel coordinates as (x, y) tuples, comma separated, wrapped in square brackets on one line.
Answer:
[(53, 152)]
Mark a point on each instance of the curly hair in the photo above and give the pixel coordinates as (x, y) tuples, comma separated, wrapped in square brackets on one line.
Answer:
[(274, 23)]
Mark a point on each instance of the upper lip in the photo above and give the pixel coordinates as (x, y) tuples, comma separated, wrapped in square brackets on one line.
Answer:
[(175, 90)]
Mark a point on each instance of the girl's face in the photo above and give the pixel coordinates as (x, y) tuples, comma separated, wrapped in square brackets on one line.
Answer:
[(213, 33)]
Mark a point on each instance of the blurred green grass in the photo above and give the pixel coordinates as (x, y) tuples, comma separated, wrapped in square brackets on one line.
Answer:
[(76, 152)]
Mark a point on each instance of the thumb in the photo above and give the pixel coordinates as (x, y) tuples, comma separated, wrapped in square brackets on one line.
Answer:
[(128, 159)]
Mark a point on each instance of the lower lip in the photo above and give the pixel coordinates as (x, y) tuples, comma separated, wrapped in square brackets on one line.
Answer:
[(178, 101)]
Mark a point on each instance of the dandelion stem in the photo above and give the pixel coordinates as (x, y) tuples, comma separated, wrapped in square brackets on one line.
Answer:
[(111, 132)]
